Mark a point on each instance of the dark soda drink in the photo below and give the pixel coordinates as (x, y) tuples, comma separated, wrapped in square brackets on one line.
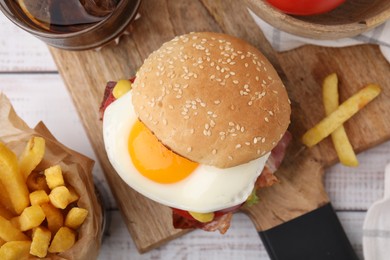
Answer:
[(63, 16)]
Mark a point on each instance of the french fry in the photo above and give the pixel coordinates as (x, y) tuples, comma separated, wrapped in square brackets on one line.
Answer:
[(54, 177), (75, 217), (37, 181), (339, 137), (73, 195), (40, 241), (31, 217), (59, 197), (10, 233), (345, 111), (31, 156), (54, 217), (5, 201), (5, 213), (39, 197), (15, 250), (12, 180), (62, 240)]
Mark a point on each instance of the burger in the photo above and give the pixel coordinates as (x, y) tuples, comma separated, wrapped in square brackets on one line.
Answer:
[(203, 126)]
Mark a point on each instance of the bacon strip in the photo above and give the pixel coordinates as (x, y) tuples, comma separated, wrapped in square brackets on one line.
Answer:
[(108, 97), (221, 223)]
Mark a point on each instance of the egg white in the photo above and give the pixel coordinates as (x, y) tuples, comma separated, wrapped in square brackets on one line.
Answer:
[(207, 189)]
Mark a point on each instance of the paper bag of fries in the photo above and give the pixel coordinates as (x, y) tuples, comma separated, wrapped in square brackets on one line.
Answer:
[(48, 205)]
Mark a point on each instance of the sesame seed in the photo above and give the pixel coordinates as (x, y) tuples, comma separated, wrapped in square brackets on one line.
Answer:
[(247, 143), (165, 122), (189, 149), (230, 157), (258, 151), (238, 146), (217, 102), (192, 130), (266, 119), (235, 81), (231, 124), (214, 151), (263, 140)]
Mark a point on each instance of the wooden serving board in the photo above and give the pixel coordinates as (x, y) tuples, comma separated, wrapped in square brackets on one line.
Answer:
[(301, 187)]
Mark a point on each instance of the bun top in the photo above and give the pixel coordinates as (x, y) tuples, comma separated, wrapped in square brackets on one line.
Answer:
[(212, 98)]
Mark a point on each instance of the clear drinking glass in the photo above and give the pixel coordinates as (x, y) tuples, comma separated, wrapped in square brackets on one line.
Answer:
[(72, 24)]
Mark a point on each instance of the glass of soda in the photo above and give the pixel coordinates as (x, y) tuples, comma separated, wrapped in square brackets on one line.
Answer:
[(72, 24)]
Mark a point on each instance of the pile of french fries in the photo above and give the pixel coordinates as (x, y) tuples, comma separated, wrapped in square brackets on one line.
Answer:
[(38, 210), (337, 115)]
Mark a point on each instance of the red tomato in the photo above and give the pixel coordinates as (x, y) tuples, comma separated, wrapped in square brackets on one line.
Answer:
[(305, 7)]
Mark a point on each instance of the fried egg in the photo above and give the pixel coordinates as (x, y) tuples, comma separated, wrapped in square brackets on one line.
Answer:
[(156, 172)]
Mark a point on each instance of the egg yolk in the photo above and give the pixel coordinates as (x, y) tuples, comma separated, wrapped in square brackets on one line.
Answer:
[(153, 160)]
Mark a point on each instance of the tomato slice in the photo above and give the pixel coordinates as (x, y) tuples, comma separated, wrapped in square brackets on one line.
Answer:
[(305, 7)]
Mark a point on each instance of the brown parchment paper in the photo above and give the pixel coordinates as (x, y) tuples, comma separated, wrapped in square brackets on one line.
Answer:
[(77, 171)]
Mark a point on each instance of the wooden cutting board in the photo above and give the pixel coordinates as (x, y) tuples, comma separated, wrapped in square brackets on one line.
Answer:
[(301, 187)]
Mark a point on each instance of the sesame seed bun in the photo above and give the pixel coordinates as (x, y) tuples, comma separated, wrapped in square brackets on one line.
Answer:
[(212, 98)]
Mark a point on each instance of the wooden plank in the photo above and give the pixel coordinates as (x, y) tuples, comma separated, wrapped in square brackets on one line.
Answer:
[(85, 74)]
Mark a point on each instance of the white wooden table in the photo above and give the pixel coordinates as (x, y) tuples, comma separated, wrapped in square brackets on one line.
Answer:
[(28, 76)]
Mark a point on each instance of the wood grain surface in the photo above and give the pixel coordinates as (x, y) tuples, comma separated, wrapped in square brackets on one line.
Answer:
[(301, 187)]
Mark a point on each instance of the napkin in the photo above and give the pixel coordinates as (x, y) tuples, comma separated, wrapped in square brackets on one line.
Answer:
[(282, 41), (376, 227)]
